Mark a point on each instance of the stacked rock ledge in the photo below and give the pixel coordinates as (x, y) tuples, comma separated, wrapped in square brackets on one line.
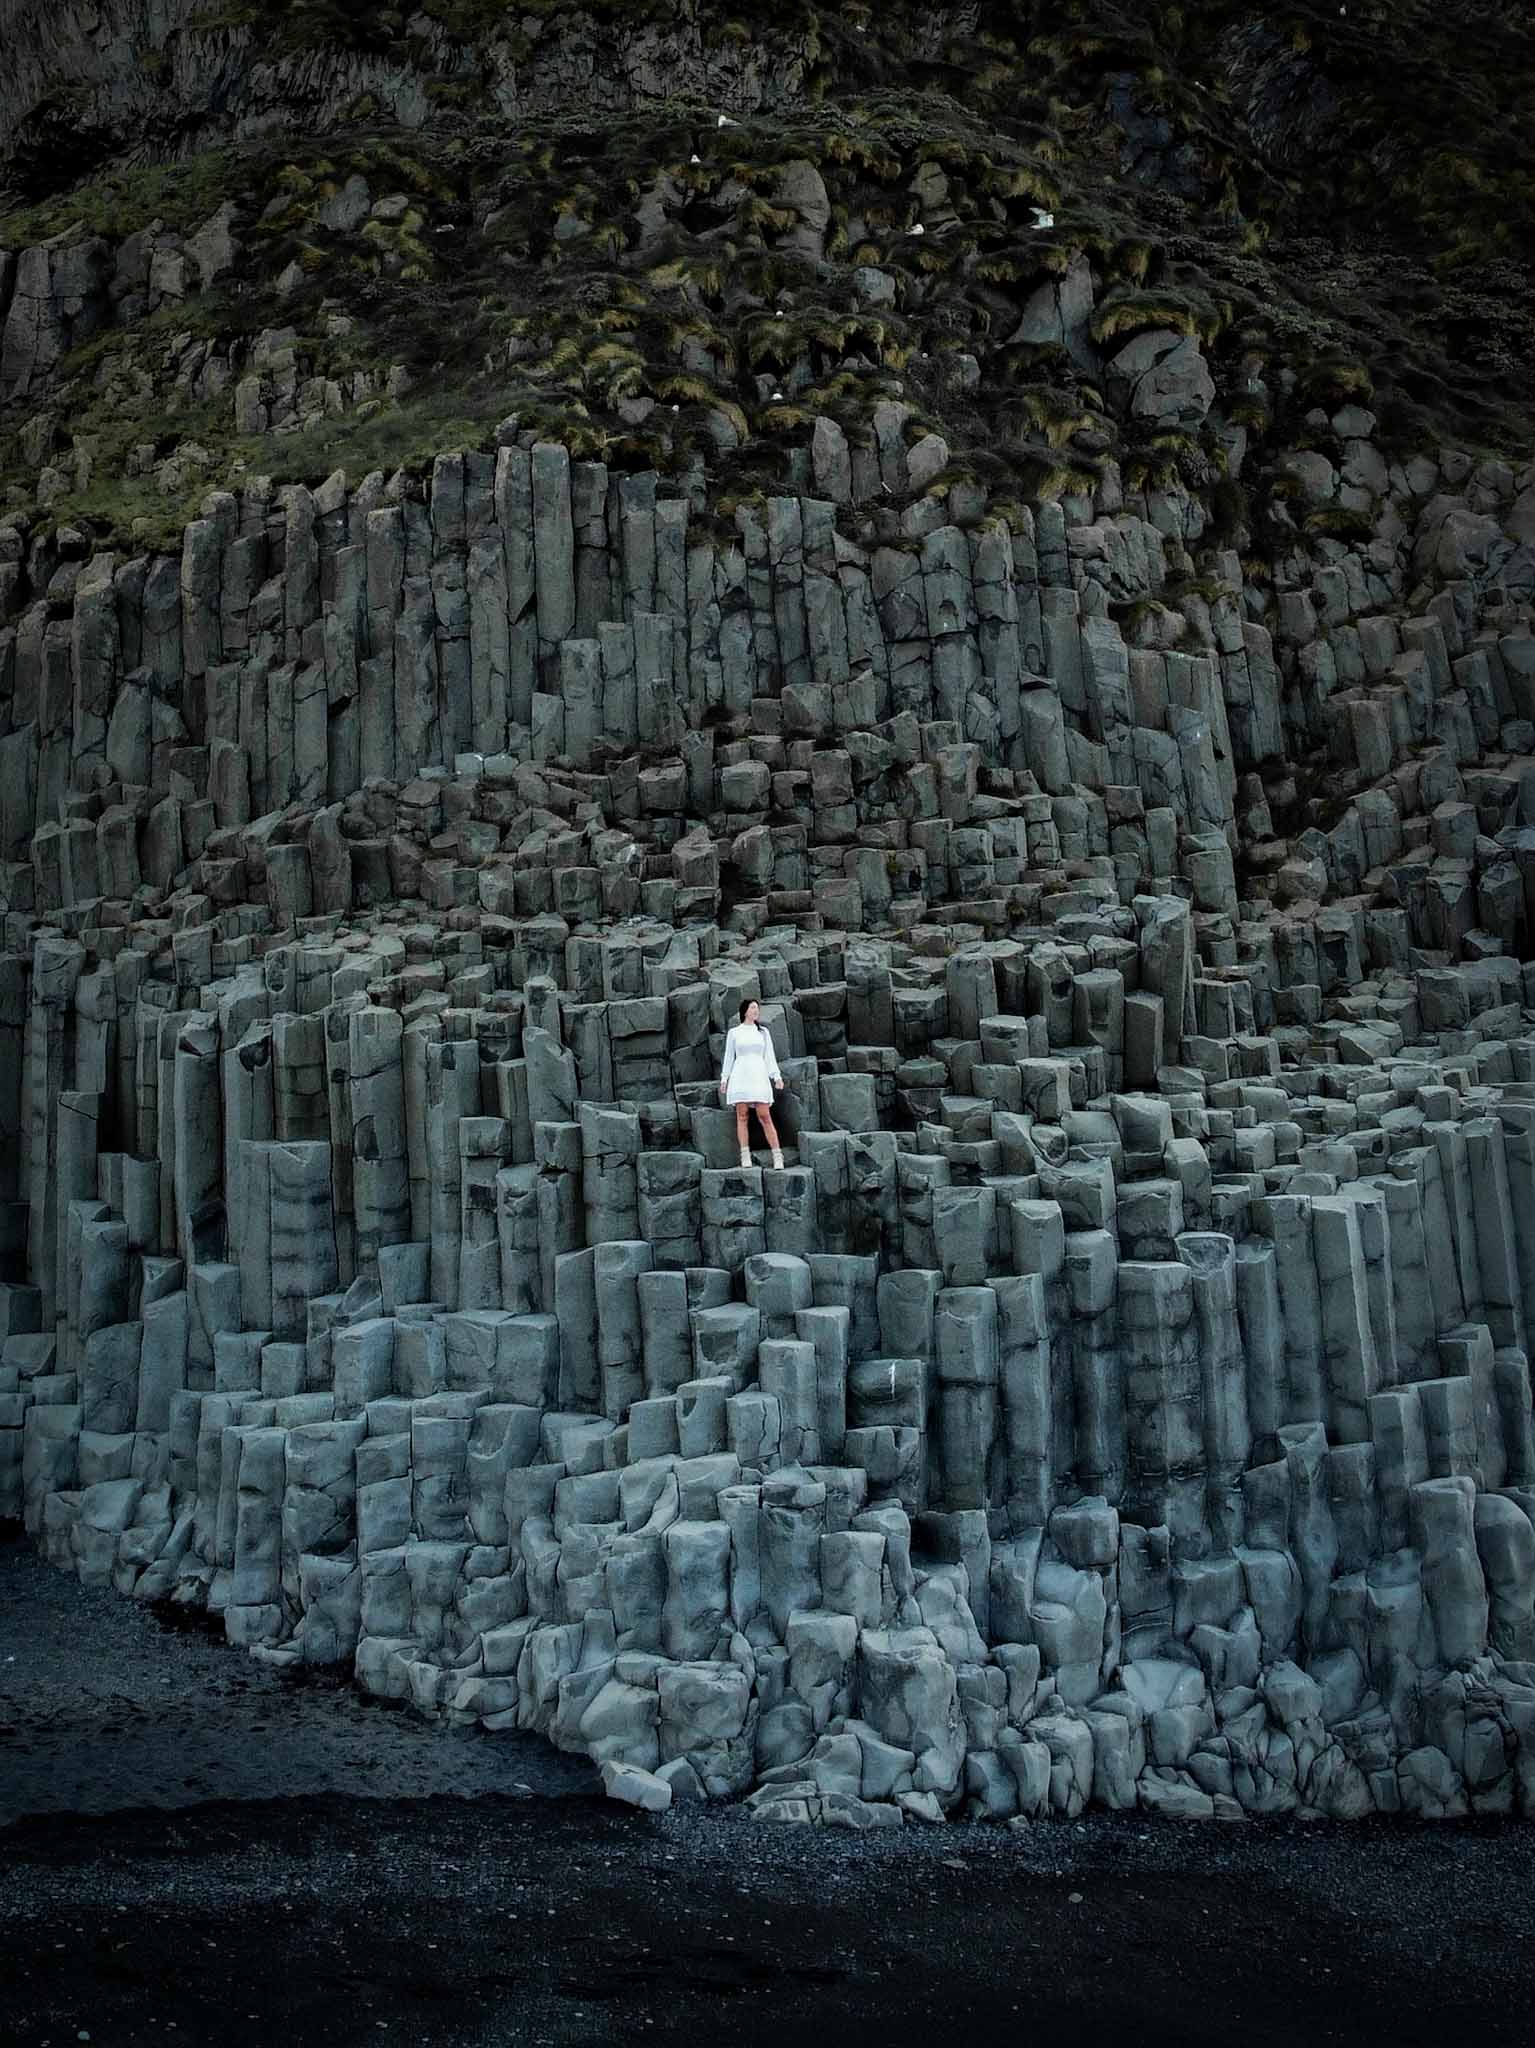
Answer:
[(1121, 1399)]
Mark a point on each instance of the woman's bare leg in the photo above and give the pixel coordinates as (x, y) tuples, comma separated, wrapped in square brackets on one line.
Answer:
[(765, 1118), (743, 1131)]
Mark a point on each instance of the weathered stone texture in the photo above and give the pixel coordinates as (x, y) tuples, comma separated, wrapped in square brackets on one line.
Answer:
[(1122, 1394)]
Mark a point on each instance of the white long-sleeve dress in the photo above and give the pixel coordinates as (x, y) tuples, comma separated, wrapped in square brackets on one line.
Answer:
[(751, 1065)]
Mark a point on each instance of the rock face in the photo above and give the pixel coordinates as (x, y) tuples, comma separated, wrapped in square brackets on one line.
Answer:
[(1107, 760), (99, 74), (1164, 379), (1121, 1397)]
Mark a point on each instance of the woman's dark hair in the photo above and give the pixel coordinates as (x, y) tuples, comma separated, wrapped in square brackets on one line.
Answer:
[(745, 1007)]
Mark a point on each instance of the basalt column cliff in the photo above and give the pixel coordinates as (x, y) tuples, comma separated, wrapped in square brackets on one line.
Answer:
[(1005, 534)]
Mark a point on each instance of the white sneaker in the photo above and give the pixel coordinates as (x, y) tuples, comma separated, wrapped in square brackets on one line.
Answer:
[(746, 1155), (777, 1158)]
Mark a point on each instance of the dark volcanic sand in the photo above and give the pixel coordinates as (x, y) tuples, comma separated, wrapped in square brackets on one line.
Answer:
[(200, 1852)]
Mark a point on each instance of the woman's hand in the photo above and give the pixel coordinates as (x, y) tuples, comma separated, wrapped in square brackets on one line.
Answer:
[(779, 1086)]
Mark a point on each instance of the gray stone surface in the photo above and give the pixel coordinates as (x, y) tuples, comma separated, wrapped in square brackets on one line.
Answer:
[(1120, 1397)]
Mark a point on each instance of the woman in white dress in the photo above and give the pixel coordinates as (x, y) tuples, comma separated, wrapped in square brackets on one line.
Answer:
[(748, 1078)]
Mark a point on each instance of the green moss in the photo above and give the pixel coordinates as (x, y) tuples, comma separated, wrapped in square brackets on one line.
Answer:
[(119, 202), (476, 292), (1337, 380), (1230, 513), (1340, 522), (1123, 314), (1044, 481)]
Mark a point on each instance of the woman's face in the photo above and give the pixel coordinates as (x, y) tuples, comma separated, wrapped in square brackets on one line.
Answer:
[(751, 1014)]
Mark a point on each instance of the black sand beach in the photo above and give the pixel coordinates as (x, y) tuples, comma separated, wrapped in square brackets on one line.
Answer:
[(195, 1850)]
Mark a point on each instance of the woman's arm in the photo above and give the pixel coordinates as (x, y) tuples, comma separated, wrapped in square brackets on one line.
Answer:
[(730, 1057), (772, 1058)]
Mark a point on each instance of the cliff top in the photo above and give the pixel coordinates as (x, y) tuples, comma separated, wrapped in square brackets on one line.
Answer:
[(675, 238)]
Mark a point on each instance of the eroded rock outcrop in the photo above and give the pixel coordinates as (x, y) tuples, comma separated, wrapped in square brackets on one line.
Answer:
[(1121, 1397)]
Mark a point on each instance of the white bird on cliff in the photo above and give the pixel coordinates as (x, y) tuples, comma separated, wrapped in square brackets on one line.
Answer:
[(919, 229), (1042, 219), (725, 121)]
